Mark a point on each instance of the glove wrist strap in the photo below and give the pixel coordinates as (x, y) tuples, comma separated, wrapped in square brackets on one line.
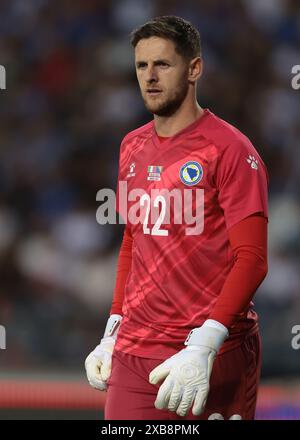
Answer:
[(112, 326), (211, 334)]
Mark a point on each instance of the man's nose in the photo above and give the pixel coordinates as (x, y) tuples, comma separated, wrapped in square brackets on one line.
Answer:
[(151, 75)]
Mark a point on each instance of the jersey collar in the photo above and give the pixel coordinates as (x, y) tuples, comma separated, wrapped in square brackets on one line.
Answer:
[(182, 132)]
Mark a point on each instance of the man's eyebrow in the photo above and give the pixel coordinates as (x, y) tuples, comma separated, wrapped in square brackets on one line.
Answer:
[(158, 61)]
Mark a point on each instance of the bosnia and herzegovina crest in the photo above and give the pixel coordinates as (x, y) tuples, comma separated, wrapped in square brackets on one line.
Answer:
[(191, 173)]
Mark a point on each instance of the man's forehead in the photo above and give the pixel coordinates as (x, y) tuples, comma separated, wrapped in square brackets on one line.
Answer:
[(155, 48)]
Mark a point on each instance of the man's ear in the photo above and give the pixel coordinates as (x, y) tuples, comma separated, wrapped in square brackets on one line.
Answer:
[(195, 69)]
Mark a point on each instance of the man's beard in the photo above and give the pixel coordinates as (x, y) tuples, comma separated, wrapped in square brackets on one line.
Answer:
[(168, 108)]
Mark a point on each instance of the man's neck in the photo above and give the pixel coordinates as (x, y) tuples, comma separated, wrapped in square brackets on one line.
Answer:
[(170, 125)]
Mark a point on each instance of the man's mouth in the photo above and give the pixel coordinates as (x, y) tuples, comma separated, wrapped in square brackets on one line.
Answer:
[(153, 92)]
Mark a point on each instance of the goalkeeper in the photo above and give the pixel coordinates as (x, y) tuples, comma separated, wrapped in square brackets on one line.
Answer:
[(182, 340)]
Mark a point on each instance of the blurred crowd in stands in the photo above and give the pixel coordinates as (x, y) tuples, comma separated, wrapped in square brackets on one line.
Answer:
[(71, 95)]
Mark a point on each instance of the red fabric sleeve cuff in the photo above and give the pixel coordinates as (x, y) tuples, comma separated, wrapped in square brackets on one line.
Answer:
[(123, 268), (248, 239)]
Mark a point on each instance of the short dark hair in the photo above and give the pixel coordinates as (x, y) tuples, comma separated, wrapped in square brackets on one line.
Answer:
[(180, 31)]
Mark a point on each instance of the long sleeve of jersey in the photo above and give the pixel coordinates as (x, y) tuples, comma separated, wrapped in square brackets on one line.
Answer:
[(248, 239), (123, 268)]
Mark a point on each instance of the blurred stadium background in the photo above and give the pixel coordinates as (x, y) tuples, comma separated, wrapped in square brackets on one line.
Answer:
[(71, 96)]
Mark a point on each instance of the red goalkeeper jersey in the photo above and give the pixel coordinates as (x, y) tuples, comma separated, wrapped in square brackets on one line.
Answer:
[(179, 198)]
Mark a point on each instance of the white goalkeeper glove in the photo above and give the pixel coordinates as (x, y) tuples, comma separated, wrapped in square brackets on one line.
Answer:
[(98, 362), (187, 373)]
